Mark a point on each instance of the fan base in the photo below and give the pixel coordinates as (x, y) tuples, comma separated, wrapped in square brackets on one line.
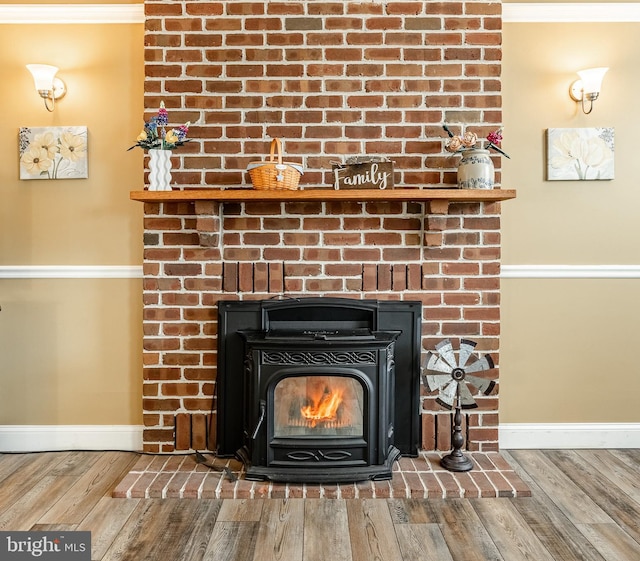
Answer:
[(456, 462)]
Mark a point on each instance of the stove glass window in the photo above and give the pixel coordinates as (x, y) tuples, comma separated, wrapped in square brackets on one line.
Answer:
[(318, 406)]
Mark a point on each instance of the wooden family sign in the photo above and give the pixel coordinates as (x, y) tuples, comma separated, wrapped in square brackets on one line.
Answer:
[(366, 175)]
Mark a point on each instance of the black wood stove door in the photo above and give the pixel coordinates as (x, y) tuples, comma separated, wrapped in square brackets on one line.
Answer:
[(319, 410)]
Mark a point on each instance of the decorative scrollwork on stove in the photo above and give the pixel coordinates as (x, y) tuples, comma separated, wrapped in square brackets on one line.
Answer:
[(335, 455), (319, 357), (304, 455), (248, 363), (390, 357)]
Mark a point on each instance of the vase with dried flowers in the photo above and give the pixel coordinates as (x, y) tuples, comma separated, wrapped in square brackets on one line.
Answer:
[(475, 169), (160, 141)]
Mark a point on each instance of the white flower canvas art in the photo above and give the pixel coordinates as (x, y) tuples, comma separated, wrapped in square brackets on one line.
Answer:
[(580, 154), (53, 153)]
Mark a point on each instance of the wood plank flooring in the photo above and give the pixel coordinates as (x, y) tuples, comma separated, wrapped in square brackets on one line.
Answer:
[(585, 506)]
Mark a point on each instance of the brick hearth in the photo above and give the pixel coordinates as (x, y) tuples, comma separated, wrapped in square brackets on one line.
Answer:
[(413, 478)]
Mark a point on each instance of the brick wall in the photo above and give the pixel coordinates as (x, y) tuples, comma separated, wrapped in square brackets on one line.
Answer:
[(332, 79)]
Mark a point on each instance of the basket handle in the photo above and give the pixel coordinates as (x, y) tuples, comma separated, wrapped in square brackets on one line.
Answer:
[(276, 145)]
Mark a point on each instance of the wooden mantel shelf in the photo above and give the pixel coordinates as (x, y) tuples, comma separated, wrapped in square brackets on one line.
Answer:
[(325, 194)]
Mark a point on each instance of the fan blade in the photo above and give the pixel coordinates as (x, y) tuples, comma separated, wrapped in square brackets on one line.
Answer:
[(484, 363), (449, 392), (436, 382), (484, 386), (466, 399), (466, 349), (446, 352), (447, 396), (437, 364), (444, 403)]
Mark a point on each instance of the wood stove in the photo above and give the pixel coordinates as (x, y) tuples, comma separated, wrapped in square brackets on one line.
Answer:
[(312, 384)]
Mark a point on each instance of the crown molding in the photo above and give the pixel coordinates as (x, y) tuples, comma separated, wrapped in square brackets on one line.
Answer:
[(519, 12), (71, 13), (565, 12)]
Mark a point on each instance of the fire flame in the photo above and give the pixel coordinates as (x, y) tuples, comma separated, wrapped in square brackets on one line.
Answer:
[(324, 409)]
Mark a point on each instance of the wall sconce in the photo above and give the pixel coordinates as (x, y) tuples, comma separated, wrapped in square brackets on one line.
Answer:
[(588, 87), (48, 86)]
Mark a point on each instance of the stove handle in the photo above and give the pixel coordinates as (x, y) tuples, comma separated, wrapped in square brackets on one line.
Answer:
[(263, 410)]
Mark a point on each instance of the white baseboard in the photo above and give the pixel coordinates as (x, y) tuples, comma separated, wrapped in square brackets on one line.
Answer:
[(568, 435), (40, 438)]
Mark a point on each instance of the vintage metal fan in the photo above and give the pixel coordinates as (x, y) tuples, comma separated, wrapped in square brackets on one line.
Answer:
[(451, 378)]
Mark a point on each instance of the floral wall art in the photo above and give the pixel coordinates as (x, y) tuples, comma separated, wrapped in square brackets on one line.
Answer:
[(53, 153), (580, 154)]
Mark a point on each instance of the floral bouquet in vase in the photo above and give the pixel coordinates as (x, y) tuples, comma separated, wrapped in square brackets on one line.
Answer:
[(160, 140), (469, 141), (475, 169)]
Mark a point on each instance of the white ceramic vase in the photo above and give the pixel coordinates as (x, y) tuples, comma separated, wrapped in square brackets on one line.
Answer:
[(159, 170), (475, 170)]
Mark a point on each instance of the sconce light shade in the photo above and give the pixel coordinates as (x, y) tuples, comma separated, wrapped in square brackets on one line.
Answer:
[(48, 86), (592, 79), (43, 75), (588, 87)]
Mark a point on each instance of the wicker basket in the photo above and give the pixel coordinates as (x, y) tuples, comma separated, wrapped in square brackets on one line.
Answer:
[(274, 173)]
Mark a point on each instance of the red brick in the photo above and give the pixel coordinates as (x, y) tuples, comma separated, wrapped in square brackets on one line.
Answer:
[(365, 490), (323, 285), (428, 432), (450, 485), (160, 344), (432, 485), (384, 277), (486, 489), (160, 405), (414, 486)]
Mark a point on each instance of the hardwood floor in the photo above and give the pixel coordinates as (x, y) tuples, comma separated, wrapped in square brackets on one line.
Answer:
[(585, 506)]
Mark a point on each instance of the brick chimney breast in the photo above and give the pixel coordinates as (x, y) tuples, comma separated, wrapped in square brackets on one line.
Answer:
[(332, 80)]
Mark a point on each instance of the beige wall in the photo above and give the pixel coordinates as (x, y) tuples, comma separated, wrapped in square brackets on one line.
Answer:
[(70, 349), (568, 345), (70, 352)]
